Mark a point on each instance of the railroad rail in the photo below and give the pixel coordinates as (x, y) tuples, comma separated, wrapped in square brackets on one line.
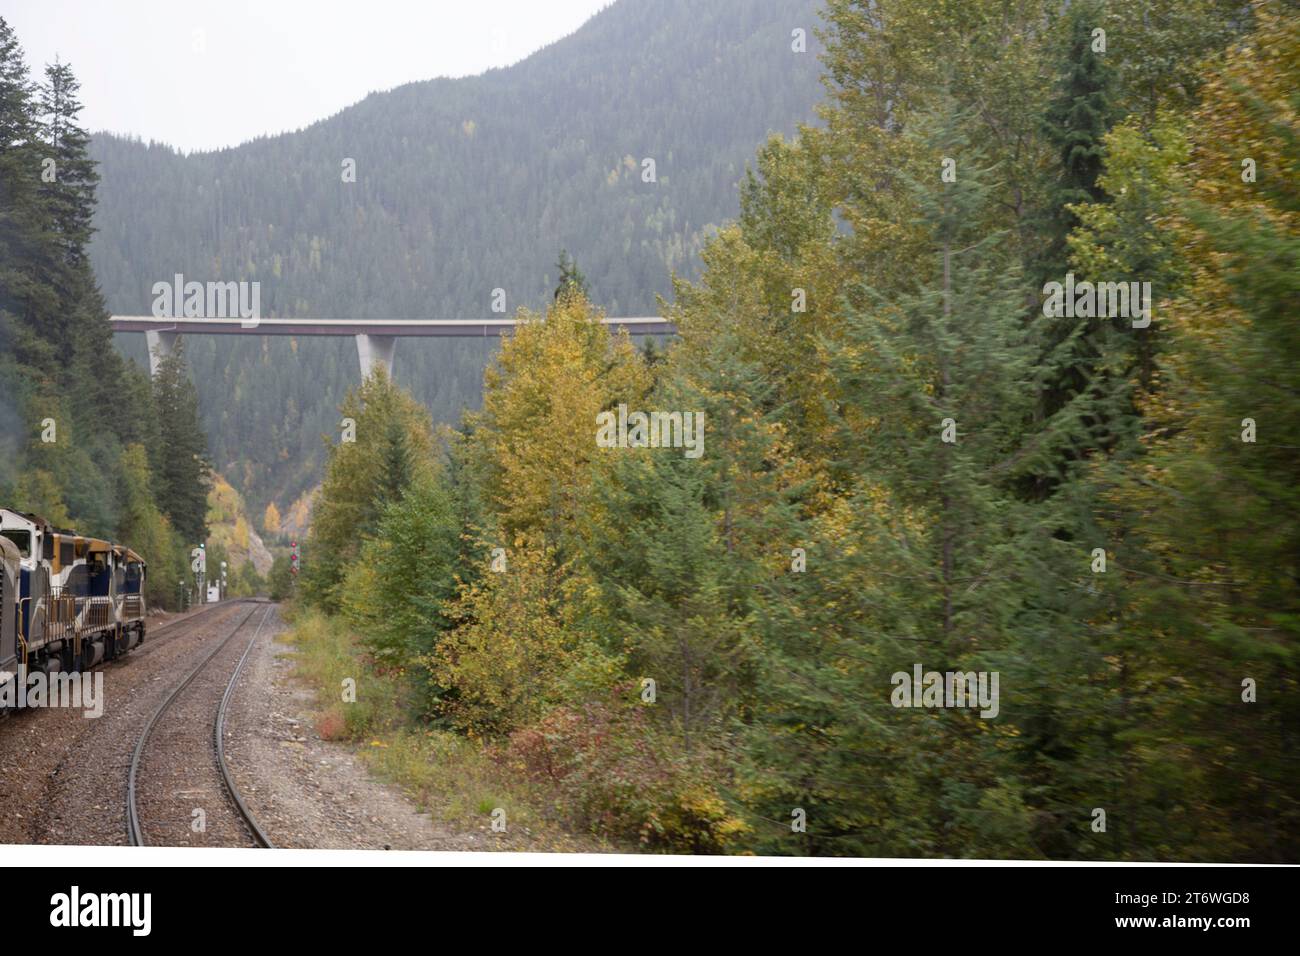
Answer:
[(142, 649), (218, 731), (135, 832)]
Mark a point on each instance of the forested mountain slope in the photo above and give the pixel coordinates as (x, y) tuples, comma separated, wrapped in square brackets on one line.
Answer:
[(462, 186), (86, 439), (956, 575)]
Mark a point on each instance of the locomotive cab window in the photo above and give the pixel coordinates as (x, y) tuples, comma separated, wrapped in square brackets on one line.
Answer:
[(23, 539)]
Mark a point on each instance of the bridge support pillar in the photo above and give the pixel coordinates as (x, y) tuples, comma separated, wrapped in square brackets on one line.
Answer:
[(160, 345), (373, 351)]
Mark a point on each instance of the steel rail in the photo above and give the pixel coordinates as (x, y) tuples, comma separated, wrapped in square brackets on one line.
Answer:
[(218, 728), (134, 833)]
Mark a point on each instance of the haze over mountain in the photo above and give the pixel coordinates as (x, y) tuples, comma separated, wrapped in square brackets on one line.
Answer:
[(462, 186)]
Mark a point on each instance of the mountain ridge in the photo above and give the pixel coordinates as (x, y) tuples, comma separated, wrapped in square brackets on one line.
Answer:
[(463, 186)]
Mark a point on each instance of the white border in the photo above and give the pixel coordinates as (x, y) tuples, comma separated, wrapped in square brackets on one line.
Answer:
[(91, 856)]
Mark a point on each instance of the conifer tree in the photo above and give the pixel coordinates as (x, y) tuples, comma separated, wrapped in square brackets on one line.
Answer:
[(25, 231), (180, 460), (571, 278), (69, 195), (143, 527), (397, 468), (929, 540), (1207, 520), (404, 575), (393, 445), (1077, 120), (679, 545)]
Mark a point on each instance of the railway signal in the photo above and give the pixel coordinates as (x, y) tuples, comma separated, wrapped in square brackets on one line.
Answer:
[(199, 564)]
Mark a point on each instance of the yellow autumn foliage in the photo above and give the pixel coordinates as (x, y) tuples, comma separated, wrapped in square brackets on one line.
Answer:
[(271, 519), (510, 649), (535, 436)]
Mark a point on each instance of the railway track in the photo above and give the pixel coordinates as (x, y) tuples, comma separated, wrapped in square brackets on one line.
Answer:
[(192, 618), (188, 694), (147, 647)]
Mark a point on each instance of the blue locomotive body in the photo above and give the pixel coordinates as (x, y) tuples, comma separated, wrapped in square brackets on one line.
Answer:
[(67, 601)]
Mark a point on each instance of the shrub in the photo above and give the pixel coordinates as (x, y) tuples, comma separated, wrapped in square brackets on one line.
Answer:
[(510, 648), (620, 776), (328, 654), (332, 725)]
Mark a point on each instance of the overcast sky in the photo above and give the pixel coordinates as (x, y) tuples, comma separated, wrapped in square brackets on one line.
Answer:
[(202, 75)]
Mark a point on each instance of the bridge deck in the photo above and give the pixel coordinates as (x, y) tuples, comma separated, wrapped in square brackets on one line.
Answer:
[(456, 328)]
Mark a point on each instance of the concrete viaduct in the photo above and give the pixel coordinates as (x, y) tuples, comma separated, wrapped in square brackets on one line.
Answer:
[(375, 337)]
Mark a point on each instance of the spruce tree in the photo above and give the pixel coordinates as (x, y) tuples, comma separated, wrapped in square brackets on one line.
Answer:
[(1083, 403), (180, 460), (396, 468), (571, 278), (1206, 522), (1076, 123), (70, 195), (27, 304), (363, 477), (939, 391)]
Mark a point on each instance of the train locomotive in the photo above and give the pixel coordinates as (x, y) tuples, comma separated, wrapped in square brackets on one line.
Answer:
[(67, 601)]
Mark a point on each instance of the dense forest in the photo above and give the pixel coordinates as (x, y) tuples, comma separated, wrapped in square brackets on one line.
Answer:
[(911, 461), (992, 355), (86, 439), (461, 186)]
